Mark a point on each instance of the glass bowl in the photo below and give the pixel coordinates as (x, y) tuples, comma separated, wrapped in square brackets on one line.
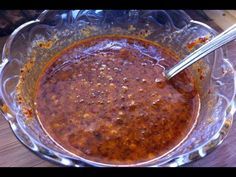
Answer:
[(32, 44)]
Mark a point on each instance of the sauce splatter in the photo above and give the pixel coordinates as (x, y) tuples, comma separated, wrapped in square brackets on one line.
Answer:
[(197, 41)]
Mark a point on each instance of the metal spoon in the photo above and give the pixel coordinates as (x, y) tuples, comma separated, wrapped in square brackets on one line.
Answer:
[(218, 41)]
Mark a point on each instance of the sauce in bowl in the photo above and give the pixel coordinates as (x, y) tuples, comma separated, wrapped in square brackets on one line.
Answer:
[(106, 99)]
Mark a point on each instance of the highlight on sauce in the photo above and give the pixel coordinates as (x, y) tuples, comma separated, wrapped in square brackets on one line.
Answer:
[(106, 99)]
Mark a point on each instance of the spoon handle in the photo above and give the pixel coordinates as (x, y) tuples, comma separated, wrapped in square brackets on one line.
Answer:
[(218, 41)]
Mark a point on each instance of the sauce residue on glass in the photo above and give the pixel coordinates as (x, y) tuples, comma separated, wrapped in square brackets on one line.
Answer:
[(106, 99)]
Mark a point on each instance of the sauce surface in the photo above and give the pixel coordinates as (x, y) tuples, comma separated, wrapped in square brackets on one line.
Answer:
[(106, 99)]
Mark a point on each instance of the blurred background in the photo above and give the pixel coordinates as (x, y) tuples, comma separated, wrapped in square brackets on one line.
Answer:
[(11, 19)]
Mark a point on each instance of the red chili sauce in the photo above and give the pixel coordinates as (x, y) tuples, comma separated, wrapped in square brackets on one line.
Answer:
[(106, 99)]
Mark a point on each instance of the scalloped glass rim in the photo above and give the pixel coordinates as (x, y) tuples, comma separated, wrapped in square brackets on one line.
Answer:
[(51, 155)]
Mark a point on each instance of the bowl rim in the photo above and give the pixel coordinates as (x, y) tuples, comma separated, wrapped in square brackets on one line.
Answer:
[(63, 159)]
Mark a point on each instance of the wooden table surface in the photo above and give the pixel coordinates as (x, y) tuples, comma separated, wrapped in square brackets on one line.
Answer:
[(14, 154)]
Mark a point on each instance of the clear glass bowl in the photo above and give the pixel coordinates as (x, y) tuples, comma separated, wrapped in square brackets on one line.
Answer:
[(40, 39)]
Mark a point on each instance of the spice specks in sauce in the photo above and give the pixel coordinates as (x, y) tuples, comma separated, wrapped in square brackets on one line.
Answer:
[(118, 108)]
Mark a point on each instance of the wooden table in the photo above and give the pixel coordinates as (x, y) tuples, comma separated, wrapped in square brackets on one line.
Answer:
[(14, 154)]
